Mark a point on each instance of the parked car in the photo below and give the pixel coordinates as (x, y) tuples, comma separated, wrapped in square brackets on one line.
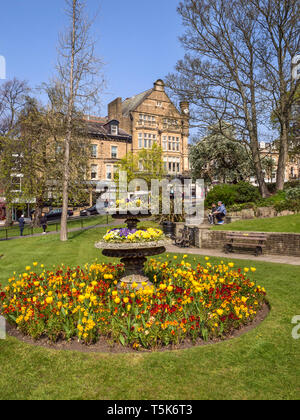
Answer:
[(91, 211), (56, 214)]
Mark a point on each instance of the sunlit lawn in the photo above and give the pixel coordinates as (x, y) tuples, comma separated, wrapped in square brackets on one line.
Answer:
[(289, 224), (55, 226), (262, 364)]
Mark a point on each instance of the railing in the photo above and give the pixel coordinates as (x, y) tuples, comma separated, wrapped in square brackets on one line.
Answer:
[(54, 226)]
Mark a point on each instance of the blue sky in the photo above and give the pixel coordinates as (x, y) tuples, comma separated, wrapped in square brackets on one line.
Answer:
[(137, 40)]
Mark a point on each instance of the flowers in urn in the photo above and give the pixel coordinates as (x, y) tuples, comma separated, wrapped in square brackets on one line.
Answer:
[(133, 235), (134, 204)]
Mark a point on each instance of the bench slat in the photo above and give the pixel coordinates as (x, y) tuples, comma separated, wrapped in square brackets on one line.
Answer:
[(262, 238), (246, 244), (247, 235)]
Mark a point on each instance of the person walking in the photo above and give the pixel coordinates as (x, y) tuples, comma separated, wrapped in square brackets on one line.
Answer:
[(43, 221), (21, 224)]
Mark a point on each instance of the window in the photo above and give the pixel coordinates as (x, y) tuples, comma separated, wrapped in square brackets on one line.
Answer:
[(94, 171), (94, 148), (114, 130), (149, 120), (165, 163), (59, 149), (140, 140), (146, 140), (109, 172), (16, 182), (165, 143), (114, 152), (177, 144), (170, 123)]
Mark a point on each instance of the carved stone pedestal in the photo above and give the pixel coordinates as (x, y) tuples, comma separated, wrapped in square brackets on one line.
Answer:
[(133, 256)]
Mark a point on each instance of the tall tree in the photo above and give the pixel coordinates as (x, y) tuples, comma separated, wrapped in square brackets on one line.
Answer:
[(279, 41), (143, 165), (78, 84), (42, 153), (12, 98), (222, 73), (216, 157)]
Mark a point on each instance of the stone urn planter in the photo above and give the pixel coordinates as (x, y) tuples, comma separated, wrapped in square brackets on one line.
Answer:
[(131, 219), (133, 256)]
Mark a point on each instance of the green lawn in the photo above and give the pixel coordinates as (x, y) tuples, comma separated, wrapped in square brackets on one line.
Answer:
[(55, 226), (262, 364), (289, 224)]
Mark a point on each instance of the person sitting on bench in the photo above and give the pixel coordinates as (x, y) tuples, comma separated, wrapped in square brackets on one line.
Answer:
[(220, 213), (211, 217)]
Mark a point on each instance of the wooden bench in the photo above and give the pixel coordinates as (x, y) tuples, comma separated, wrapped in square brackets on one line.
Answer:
[(249, 240)]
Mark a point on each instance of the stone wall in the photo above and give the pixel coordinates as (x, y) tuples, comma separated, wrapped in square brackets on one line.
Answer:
[(259, 213), (276, 244)]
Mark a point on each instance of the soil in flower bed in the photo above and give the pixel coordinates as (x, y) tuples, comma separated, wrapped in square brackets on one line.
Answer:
[(103, 345)]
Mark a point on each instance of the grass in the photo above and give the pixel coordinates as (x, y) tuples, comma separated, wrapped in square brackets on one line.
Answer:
[(262, 364), (288, 224), (55, 226)]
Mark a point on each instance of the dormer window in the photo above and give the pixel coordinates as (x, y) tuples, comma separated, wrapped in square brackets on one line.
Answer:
[(114, 130)]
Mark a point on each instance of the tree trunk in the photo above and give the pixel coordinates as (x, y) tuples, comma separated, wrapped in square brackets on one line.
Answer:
[(66, 174), (38, 212), (65, 204), (8, 220), (263, 189), (283, 158)]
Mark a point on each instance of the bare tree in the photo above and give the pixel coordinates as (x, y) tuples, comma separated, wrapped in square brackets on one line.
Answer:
[(12, 98), (222, 72), (279, 41), (78, 84)]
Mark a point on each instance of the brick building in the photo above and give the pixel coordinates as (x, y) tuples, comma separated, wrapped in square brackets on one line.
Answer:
[(109, 143), (135, 124), (292, 169)]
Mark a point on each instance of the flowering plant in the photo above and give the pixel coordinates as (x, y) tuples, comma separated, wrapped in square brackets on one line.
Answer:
[(205, 302), (132, 204), (133, 235)]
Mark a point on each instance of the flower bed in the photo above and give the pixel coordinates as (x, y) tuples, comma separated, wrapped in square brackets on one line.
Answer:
[(133, 235), (184, 303)]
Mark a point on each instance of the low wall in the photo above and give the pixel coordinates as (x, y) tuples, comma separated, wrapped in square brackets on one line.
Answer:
[(258, 213), (276, 244)]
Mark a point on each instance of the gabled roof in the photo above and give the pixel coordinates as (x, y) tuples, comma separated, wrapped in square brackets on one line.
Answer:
[(130, 104), (103, 130)]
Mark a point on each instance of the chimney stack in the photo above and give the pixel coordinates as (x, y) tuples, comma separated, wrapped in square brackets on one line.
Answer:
[(115, 110), (159, 85)]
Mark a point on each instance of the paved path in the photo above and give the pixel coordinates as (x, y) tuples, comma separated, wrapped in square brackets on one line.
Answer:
[(54, 232), (280, 259)]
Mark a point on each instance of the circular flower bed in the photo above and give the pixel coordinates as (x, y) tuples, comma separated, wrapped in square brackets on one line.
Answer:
[(133, 235), (184, 303)]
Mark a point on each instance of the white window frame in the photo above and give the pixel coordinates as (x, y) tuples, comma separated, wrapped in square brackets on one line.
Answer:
[(111, 152), (114, 130), (94, 148), (94, 170)]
